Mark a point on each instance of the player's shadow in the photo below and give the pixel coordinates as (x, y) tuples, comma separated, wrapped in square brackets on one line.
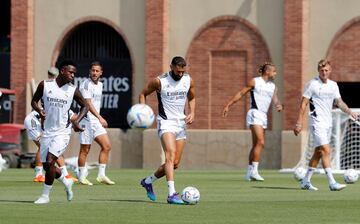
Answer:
[(276, 188), (130, 201), (15, 201)]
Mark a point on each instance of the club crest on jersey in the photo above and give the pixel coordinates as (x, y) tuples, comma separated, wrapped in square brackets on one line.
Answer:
[(50, 92)]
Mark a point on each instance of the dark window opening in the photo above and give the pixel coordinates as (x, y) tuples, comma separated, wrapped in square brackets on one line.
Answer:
[(5, 18), (97, 41), (349, 92)]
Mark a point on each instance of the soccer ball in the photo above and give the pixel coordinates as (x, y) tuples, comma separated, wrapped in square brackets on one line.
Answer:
[(190, 195), (299, 173), (140, 116), (351, 176)]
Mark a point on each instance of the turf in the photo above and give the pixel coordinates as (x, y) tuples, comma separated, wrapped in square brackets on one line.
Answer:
[(225, 198)]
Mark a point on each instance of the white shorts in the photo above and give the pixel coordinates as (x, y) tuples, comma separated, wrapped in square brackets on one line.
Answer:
[(33, 128), (256, 117), (56, 145), (91, 131), (177, 127), (321, 135)]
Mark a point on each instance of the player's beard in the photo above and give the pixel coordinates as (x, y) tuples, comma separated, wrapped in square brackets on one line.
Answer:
[(175, 77)]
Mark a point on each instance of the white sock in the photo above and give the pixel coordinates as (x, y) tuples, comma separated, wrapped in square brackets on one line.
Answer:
[(171, 187), (255, 166), (46, 189), (150, 179), (38, 170), (330, 175), (309, 173), (82, 172), (64, 170), (63, 180), (102, 168), (249, 170)]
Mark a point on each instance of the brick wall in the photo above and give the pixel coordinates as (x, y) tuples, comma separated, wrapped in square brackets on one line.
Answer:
[(296, 38), (157, 42), (223, 56), (21, 52), (344, 53)]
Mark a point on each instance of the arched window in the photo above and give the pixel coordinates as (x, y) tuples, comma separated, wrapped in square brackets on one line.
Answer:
[(96, 41)]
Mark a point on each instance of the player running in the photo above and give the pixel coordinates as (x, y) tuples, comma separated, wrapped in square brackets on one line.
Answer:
[(263, 92), (94, 127), (33, 128), (173, 89), (57, 96), (321, 93)]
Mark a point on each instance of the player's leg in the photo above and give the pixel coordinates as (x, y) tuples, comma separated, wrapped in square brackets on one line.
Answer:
[(321, 138), (169, 144), (174, 197), (85, 139), (104, 142), (83, 172), (305, 183), (51, 172), (258, 137), (52, 148), (325, 158), (39, 176), (179, 151), (61, 164)]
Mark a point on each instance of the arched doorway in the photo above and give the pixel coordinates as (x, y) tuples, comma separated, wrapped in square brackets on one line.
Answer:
[(344, 54), (93, 40), (223, 56)]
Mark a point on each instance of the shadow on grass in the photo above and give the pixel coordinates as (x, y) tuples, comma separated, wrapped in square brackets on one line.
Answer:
[(130, 200), (15, 201), (276, 188)]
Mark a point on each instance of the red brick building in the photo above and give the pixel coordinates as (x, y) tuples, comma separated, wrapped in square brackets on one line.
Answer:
[(223, 43)]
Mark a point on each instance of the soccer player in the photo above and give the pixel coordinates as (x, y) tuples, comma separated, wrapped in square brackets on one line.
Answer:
[(57, 96), (94, 127), (173, 89), (33, 128), (263, 92), (321, 93)]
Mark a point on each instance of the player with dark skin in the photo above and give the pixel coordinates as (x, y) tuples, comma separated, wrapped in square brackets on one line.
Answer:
[(66, 76)]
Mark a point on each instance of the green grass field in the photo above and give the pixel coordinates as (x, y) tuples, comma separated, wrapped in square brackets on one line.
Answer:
[(225, 198)]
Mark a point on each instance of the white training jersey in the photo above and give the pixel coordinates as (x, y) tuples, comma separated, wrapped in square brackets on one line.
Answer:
[(35, 121), (172, 97), (92, 91), (57, 102), (321, 96), (262, 94)]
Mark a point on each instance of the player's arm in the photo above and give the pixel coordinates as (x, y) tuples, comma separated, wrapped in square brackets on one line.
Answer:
[(84, 108), (191, 101), (344, 108), (279, 107), (36, 98), (250, 85), (298, 125), (96, 114), (154, 85)]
